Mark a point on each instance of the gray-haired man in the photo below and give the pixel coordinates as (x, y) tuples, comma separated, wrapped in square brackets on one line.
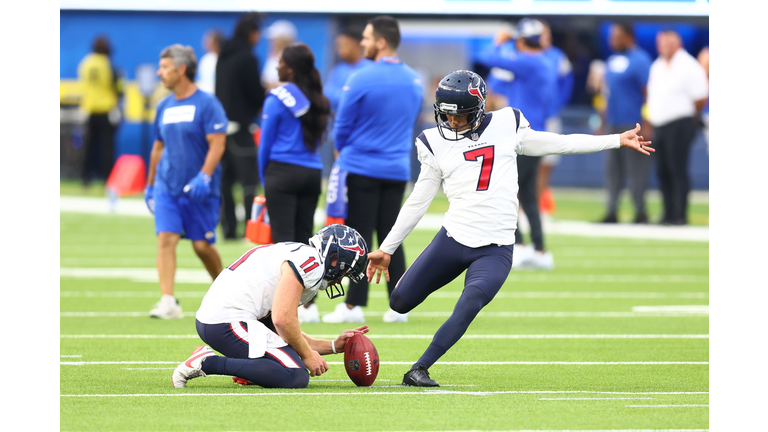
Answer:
[(183, 185)]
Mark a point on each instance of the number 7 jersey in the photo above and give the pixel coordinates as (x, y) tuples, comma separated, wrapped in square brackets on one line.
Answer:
[(479, 177)]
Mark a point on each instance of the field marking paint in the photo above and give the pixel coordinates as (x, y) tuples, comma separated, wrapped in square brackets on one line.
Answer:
[(429, 222), (71, 356), (405, 392), (149, 274), (677, 308), (665, 406), (455, 363), (426, 336), (445, 314), (437, 294), (570, 399)]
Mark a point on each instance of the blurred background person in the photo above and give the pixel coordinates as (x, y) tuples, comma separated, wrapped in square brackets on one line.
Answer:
[(350, 55), (554, 124), (183, 184), (677, 92), (531, 91), (240, 92), (100, 93), (626, 77), (377, 112), (703, 59), (206, 72), (280, 34), (293, 121)]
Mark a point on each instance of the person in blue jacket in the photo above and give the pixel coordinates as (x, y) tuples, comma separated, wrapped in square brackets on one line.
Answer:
[(532, 91), (293, 120), (374, 127), (184, 179)]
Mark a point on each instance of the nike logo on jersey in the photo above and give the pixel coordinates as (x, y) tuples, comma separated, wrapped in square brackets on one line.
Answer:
[(218, 125)]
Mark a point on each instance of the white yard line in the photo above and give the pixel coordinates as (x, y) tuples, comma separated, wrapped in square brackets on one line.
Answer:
[(407, 391), (579, 399), (427, 336), (455, 363), (437, 294), (430, 221), (666, 406), (444, 314), (149, 274)]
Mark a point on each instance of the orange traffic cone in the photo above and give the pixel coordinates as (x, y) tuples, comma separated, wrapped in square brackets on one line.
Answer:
[(128, 176)]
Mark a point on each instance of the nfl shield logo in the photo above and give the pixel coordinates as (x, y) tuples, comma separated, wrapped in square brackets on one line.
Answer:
[(474, 136)]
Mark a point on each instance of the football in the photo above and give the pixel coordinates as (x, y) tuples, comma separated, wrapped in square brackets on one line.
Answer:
[(361, 361)]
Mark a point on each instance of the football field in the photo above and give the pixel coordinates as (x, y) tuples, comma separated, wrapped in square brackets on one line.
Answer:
[(615, 338)]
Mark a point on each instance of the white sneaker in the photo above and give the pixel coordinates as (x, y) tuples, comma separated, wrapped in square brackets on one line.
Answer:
[(541, 261), (521, 255), (192, 368), (309, 314), (342, 314), (391, 316), (167, 308)]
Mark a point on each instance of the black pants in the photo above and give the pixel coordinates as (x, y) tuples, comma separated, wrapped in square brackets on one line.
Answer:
[(673, 148), (527, 173), (624, 163), (99, 148), (374, 205), (238, 164), (292, 192)]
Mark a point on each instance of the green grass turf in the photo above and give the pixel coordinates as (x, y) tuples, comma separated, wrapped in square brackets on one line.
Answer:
[(117, 363)]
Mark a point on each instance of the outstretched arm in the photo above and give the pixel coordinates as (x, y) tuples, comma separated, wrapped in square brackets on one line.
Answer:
[(536, 143), (324, 347)]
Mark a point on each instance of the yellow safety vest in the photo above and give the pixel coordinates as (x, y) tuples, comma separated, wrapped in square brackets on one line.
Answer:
[(97, 83)]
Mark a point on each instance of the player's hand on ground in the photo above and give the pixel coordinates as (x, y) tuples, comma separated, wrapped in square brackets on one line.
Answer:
[(341, 342), (316, 364), (631, 139), (378, 263), (199, 188), (149, 198)]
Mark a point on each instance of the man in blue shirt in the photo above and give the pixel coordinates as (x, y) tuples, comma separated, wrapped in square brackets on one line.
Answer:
[(377, 112), (351, 59), (184, 181), (626, 77), (532, 91)]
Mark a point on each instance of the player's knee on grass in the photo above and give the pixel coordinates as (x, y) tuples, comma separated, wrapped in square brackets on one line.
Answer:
[(397, 304)]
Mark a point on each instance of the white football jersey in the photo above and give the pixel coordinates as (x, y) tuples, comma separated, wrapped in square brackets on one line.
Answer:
[(245, 289), (479, 178)]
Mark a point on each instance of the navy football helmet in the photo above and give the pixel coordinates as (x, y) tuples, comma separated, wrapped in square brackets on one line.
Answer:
[(460, 92), (351, 253)]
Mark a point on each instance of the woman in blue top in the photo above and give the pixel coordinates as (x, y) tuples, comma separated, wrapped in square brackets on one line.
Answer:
[(293, 120)]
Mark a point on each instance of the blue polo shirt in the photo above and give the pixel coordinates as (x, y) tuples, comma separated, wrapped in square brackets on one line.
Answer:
[(626, 76), (565, 78), (338, 77), (377, 112), (534, 87), (182, 126)]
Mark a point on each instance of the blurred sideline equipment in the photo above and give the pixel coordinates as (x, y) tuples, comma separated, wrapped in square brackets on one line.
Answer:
[(128, 177), (258, 229)]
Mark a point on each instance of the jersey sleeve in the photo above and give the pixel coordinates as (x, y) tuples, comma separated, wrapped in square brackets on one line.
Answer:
[(158, 120), (306, 265), (214, 117), (426, 155)]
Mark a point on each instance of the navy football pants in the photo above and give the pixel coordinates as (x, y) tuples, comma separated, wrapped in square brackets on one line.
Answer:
[(279, 368), (441, 262)]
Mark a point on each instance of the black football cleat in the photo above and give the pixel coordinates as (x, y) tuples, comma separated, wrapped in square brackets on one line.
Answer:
[(419, 377)]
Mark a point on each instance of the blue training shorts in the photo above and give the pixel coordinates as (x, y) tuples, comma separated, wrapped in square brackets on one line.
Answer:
[(182, 215)]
